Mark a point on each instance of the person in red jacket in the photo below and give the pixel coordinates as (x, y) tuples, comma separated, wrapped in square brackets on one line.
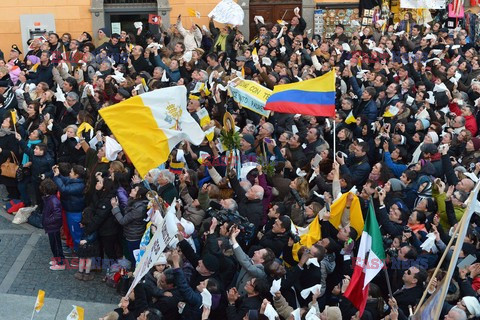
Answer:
[(465, 111)]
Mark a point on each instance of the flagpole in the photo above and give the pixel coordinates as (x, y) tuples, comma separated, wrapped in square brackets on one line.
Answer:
[(390, 293), (334, 139), (33, 313), (447, 249)]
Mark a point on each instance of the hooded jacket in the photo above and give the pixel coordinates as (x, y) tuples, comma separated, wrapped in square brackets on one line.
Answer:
[(132, 219), (51, 214), (71, 193)]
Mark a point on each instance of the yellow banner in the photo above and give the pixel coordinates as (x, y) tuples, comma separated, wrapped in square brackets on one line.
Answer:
[(250, 95)]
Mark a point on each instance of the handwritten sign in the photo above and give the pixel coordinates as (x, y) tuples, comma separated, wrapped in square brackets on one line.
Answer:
[(164, 235), (250, 95)]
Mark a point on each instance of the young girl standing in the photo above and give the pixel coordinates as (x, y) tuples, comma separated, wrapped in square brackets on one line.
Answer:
[(52, 222)]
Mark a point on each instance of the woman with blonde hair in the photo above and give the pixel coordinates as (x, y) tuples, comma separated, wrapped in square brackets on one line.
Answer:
[(67, 151)]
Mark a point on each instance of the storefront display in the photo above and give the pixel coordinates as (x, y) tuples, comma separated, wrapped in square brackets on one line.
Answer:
[(326, 18)]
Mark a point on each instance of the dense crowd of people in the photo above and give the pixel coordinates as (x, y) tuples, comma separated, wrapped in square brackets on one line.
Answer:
[(405, 126)]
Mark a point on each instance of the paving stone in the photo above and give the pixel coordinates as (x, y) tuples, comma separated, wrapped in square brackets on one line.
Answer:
[(35, 273)]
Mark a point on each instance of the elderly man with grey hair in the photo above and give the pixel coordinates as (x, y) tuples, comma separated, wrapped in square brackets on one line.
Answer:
[(166, 187), (69, 112), (249, 201), (456, 314)]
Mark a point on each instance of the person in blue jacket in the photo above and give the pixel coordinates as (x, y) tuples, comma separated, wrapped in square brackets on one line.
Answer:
[(365, 105), (392, 160), (173, 70), (72, 190)]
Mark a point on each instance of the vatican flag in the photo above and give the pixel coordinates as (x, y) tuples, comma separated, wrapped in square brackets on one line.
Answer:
[(150, 125), (40, 300), (312, 233), (76, 314), (350, 118)]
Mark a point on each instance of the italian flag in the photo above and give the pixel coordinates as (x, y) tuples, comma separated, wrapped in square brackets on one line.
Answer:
[(370, 260)]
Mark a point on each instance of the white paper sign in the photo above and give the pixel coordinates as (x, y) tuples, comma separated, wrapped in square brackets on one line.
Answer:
[(116, 27), (228, 11), (422, 4)]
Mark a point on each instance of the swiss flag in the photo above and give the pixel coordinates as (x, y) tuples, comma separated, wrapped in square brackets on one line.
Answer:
[(154, 19)]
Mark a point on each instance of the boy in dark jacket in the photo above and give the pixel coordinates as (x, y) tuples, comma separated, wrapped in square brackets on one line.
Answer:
[(52, 222), (41, 167)]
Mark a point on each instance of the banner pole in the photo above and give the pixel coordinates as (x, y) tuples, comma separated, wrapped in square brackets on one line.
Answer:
[(334, 139)]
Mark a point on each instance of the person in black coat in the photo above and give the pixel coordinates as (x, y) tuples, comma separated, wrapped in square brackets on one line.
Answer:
[(277, 238), (218, 247), (8, 149), (67, 151), (167, 304), (103, 220), (249, 202), (44, 71), (412, 290), (67, 115), (239, 306)]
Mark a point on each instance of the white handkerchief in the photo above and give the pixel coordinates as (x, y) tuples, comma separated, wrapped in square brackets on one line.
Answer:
[(313, 261), (275, 286), (270, 312), (410, 100), (306, 292), (296, 314), (311, 315), (59, 94), (138, 24), (206, 298), (112, 148), (260, 19), (429, 242)]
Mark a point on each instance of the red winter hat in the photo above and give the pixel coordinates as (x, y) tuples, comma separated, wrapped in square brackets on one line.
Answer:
[(476, 143)]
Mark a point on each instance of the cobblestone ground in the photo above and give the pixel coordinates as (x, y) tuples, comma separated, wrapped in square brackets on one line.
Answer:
[(31, 270)]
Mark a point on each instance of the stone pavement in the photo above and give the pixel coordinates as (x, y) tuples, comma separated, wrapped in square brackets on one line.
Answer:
[(24, 269)]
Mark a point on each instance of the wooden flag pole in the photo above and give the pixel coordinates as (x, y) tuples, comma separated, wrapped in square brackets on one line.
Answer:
[(334, 139), (447, 249)]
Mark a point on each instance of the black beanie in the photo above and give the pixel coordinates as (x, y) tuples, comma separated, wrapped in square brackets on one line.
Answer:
[(210, 262)]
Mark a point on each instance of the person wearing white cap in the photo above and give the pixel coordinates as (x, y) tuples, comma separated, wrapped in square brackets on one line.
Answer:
[(470, 305)]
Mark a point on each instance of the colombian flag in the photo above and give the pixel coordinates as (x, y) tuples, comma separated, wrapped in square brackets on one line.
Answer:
[(176, 167), (150, 125), (315, 97)]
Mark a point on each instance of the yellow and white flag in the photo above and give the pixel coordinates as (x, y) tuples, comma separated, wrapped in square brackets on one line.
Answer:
[(78, 313), (310, 234), (193, 13), (391, 112), (255, 55), (350, 118), (40, 300), (150, 125), (205, 121)]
